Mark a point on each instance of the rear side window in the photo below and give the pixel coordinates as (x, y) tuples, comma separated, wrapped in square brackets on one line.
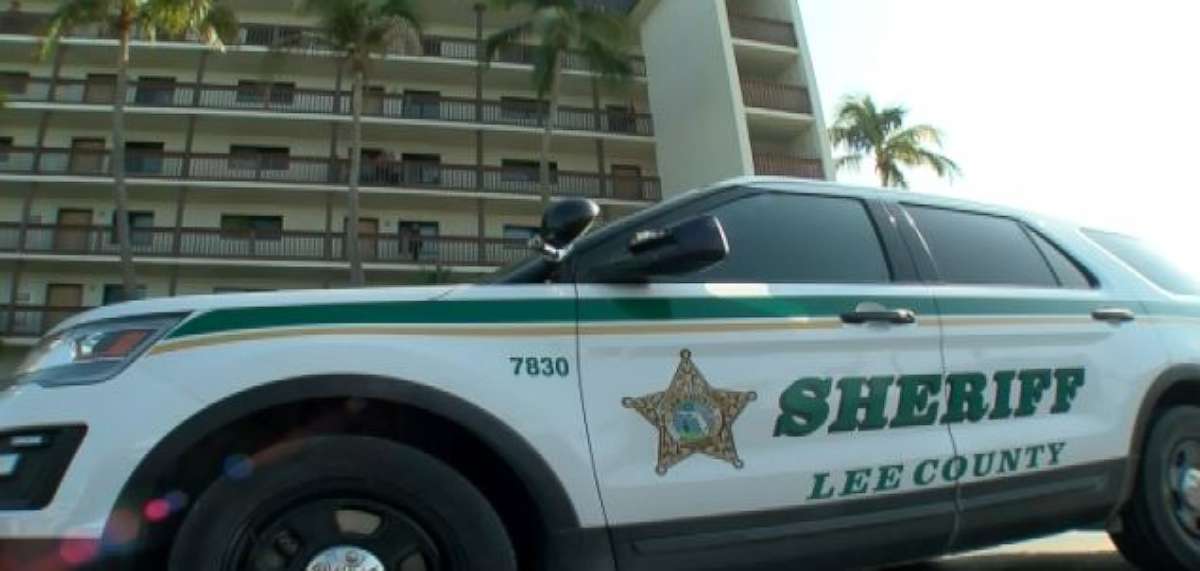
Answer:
[(978, 249), (1145, 261), (1069, 273)]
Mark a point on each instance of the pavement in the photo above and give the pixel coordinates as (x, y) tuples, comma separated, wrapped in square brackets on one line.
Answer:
[(1075, 551)]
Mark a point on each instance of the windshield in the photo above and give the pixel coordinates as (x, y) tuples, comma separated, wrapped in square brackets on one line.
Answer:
[(1146, 262)]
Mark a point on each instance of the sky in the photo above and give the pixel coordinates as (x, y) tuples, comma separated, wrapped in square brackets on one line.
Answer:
[(1081, 109)]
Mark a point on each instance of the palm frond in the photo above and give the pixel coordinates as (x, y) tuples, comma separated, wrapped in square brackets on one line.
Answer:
[(507, 37), (72, 14), (849, 162)]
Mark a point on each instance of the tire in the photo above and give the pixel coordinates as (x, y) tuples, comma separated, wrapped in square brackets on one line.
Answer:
[(292, 505), (1153, 533)]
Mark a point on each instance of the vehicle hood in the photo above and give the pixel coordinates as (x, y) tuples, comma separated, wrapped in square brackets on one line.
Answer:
[(202, 303)]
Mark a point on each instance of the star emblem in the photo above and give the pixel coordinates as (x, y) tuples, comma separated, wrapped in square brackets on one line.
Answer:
[(692, 417)]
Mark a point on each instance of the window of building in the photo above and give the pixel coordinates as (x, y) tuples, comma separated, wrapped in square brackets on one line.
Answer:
[(100, 88), (778, 238), (14, 82), (115, 293), (418, 238), (627, 182), (521, 110), (249, 157), (1069, 273), (88, 156), (422, 169), (621, 119), (141, 228), (251, 226), (514, 170), (156, 91), (1145, 261), (422, 104), (143, 157), (258, 92), (6, 146), (978, 249)]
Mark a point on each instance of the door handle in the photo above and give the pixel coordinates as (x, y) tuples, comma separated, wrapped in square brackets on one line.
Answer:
[(1113, 315), (892, 316)]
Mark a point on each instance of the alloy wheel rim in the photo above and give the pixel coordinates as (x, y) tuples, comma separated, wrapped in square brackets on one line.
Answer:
[(336, 534), (1183, 484)]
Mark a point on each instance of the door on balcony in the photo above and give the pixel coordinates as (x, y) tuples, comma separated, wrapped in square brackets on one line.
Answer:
[(418, 239), (141, 229), (71, 231), (621, 119), (422, 104), (373, 98), (155, 91), (14, 83), (422, 169), (377, 168), (87, 156), (143, 158), (62, 301), (100, 88), (368, 238), (627, 182)]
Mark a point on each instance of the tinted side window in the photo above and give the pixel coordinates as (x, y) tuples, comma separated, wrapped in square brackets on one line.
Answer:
[(1068, 272), (1147, 262), (782, 238), (977, 249)]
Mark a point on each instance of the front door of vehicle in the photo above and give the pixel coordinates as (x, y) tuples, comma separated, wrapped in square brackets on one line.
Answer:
[(745, 414), (1043, 375)]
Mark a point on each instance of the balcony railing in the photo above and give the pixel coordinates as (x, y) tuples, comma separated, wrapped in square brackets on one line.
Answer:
[(287, 170), (764, 30), (786, 165), (286, 245), (330, 102), (776, 96), (33, 320), (297, 38)]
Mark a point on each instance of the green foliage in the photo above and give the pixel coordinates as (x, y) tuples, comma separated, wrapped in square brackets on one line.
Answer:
[(212, 20), (361, 28), (557, 27), (863, 130)]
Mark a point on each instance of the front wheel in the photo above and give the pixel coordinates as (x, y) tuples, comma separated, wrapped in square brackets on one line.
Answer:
[(342, 502), (1161, 525)]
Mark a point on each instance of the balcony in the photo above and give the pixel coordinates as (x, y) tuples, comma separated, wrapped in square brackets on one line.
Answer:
[(765, 30), (405, 107), (279, 246), (33, 320), (284, 170), (787, 165), (776, 96), (302, 39)]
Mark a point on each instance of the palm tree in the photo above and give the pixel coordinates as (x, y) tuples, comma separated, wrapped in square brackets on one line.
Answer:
[(212, 21), (557, 28), (863, 130), (359, 29)]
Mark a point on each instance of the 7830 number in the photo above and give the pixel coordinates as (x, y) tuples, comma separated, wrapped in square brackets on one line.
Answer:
[(541, 366)]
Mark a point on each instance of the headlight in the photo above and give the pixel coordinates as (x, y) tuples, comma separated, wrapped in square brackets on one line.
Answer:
[(92, 352)]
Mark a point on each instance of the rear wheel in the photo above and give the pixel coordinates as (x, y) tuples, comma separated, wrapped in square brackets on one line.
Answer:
[(1161, 525), (342, 503)]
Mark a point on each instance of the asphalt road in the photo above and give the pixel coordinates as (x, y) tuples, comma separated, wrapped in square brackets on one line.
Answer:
[(1076, 551)]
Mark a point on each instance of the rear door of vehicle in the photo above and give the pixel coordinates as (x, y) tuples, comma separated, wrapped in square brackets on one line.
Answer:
[(1043, 364), (714, 399)]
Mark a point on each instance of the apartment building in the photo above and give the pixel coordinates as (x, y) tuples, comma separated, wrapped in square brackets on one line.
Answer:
[(238, 160)]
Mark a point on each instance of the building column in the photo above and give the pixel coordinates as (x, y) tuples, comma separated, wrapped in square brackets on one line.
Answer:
[(481, 229), (26, 210), (14, 295), (602, 169), (177, 241), (482, 63), (329, 226)]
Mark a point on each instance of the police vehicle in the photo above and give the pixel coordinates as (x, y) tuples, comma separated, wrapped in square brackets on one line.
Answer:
[(760, 375)]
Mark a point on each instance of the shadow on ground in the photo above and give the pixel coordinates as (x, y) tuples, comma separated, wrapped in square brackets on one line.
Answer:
[(1027, 562)]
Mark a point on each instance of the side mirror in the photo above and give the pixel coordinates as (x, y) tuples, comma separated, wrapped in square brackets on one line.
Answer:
[(689, 246), (563, 222)]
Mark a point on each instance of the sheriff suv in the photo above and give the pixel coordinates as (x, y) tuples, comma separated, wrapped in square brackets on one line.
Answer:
[(760, 375)]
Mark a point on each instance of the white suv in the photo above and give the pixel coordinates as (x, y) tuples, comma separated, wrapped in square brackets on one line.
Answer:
[(760, 375)]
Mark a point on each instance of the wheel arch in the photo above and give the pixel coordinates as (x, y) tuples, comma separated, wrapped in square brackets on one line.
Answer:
[(1179, 384), (536, 477)]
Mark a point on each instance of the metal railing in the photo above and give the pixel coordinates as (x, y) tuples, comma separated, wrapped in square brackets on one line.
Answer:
[(281, 99), (33, 320), (776, 96), (786, 165), (304, 39), (282, 245), (764, 30), (287, 170)]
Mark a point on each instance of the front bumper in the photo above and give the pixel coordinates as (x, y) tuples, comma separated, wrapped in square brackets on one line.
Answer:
[(124, 419)]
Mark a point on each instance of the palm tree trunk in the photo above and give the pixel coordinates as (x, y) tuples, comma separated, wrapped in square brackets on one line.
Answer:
[(548, 133), (353, 252), (120, 193)]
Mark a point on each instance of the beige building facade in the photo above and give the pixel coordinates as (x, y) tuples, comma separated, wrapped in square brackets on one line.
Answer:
[(238, 160)]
